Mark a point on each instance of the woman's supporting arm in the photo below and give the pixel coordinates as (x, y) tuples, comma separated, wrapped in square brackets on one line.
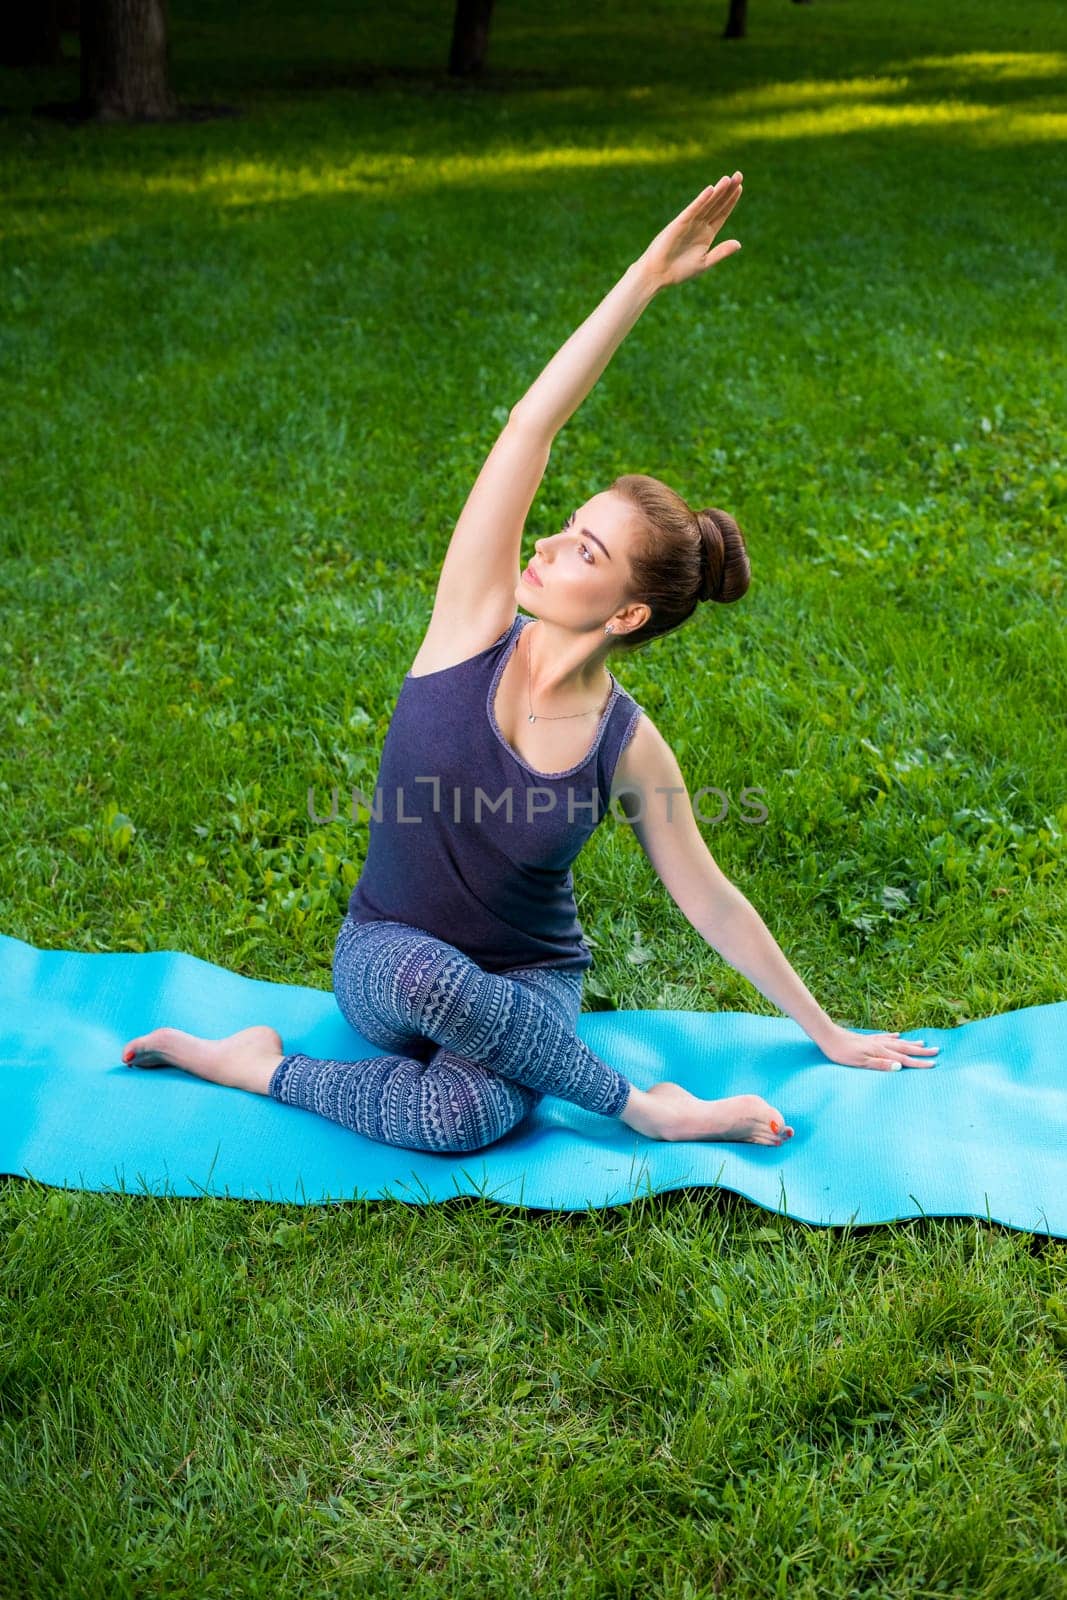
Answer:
[(742, 938)]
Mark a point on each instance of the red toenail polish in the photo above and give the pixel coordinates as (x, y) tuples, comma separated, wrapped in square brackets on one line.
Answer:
[(774, 1127)]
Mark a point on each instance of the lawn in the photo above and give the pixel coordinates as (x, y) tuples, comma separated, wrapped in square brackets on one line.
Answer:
[(250, 368)]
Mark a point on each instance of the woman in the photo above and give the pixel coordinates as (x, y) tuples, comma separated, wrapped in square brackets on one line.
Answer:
[(461, 952)]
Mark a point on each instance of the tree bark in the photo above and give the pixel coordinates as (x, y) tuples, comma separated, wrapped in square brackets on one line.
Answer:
[(29, 34), (737, 21), (470, 37), (125, 61)]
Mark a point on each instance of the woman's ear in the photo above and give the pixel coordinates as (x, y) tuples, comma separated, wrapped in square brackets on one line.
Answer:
[(632, 618)]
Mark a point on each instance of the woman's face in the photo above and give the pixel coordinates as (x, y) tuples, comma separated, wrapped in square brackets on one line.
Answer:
[(585, 568)]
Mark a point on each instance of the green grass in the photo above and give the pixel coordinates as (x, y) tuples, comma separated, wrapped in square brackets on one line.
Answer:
[(250, 368)]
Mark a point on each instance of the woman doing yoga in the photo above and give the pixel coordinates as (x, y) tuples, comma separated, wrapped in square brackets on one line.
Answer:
[(461, 953)]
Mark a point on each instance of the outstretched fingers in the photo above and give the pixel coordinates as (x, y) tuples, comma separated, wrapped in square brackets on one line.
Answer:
[(716, 198), (724, 198), (906, 1051)]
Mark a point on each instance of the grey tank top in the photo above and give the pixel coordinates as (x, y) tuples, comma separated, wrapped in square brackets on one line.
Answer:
[(470, 843)]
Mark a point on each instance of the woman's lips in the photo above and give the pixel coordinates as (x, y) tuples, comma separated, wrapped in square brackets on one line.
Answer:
[(531, 577)]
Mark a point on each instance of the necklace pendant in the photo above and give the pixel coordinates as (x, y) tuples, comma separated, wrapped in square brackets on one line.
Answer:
[(531, 718)]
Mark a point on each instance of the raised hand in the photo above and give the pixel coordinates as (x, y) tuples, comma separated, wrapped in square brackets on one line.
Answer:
[(682, 250)]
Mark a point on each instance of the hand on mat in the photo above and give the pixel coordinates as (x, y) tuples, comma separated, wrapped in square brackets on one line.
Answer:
[(884, 1052), (683, 249)]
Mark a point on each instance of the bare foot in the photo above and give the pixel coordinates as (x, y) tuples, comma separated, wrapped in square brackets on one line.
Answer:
[(667, 1111), (244, 1060)]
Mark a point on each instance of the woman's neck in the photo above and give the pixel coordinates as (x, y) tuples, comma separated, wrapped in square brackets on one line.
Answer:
[(562, 668)]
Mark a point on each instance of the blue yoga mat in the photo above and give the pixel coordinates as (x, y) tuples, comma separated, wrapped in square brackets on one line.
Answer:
[(981, 1134)]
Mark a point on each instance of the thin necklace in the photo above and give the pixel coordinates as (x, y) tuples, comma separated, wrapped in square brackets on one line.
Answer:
[(529, 691)]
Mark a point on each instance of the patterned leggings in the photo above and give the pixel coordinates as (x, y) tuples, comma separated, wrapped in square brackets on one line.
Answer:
[(475, 1050)]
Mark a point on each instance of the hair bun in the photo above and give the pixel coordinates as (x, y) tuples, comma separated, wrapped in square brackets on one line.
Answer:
[(724, 568)]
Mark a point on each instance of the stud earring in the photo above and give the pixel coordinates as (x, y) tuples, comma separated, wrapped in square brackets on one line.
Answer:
[(608, 628)]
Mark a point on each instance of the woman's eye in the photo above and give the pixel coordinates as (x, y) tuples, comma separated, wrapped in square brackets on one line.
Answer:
[(587, 557)]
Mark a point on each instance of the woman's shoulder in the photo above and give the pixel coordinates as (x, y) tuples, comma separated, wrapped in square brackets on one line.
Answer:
[(442, 648), (645, 757)]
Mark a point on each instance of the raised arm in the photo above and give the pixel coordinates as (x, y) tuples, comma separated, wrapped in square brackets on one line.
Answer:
[(476, 589), (482, 566)]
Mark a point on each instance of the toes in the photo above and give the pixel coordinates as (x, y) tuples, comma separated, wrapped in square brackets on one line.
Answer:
[(150, 1058), (135, 1052), (780, 1128), (140, 1052)]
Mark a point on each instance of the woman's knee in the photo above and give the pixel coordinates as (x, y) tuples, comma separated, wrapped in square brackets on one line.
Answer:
[(481, 1108), (511, 1108)]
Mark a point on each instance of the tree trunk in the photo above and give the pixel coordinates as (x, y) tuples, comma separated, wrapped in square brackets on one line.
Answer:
[(737, 21), (29, 34), (125, 61), (470, 37)]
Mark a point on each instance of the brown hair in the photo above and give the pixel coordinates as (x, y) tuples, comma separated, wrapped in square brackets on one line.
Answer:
[(685, 557)]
